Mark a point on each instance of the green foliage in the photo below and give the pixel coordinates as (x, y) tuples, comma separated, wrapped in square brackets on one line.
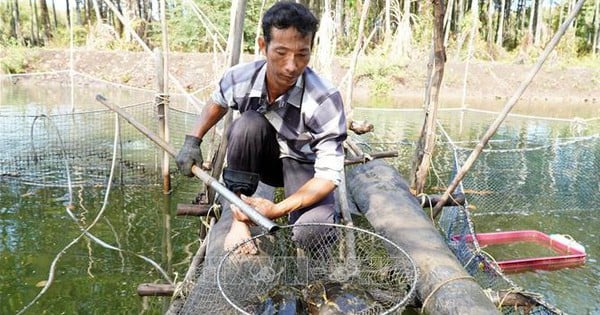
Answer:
[(192, 31), (13, 61), (422, 30), (568, 45), (585, 27), (188, 33), (62, 37), (379, 74)]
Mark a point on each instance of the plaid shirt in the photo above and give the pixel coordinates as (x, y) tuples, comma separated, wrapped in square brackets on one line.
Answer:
[(309, 118)]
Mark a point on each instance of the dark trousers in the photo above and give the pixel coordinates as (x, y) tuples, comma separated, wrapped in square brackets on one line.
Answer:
[(252, 147)]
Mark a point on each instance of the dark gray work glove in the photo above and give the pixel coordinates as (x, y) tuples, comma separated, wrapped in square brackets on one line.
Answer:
[(189, 155)]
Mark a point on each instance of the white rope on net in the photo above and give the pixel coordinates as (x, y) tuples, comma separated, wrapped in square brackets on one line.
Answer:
[(85, 230)]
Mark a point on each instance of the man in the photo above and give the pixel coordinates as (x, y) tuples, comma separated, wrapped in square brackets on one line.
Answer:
[(290, 130)]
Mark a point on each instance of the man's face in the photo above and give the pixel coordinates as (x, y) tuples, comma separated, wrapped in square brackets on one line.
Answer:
[(287, 55)]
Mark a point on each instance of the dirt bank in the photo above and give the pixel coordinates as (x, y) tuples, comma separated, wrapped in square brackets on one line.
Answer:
[(485, 85)]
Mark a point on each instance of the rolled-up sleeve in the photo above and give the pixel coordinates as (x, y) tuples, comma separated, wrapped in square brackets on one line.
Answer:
[(223, 91), (329, 129)]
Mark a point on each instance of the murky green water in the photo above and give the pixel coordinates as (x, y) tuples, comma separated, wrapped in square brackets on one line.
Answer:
[(89, 278)]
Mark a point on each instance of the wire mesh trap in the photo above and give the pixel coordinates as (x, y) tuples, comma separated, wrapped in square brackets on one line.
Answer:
[(313, 267)]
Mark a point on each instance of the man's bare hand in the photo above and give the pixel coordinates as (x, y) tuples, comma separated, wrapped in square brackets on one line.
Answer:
[(264, 206)]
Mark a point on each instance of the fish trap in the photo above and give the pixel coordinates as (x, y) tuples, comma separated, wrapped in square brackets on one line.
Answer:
[(314, 268)]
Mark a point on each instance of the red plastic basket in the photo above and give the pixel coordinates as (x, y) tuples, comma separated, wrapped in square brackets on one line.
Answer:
[(569, 252)]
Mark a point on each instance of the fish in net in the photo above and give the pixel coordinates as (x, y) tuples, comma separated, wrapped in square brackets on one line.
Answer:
[(338, 269)]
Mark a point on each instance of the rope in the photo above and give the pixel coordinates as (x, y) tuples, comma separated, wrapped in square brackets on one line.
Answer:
[(511, 290), (492, 295), (441, 285)]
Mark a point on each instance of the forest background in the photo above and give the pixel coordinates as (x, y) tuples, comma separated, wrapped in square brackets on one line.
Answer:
[(389, 37)]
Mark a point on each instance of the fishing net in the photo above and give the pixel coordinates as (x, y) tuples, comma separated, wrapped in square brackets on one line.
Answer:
[(542, 172), (41, 133), (338, 268), (532, 165)]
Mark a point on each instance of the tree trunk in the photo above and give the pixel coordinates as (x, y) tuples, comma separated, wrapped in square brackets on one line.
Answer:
[(388, 23), (68, 9), (78, 12), (520, 27), (35, 31), (490, 24), (325, 41), (460, 12), (403, 37), (54, 14), (500, 34), (530, 28), (86, 13), (45, 21), (448, 21), (538, 24), (339, 17), (97, 12), (15, 21), (128, 12), (427, 138), (356, 52), (596, 38), (470, 49)]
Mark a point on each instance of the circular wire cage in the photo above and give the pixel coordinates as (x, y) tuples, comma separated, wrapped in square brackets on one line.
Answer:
[(313, 268)]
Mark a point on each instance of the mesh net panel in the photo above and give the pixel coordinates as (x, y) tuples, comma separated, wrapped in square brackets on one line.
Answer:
[(547, 174), (44, 144), (39, 140)]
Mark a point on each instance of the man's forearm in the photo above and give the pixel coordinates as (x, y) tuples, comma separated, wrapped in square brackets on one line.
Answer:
[(310, 193)]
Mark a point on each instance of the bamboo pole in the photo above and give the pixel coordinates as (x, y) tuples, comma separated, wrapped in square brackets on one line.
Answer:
[(161, 110), (162, 97), (507, 108)]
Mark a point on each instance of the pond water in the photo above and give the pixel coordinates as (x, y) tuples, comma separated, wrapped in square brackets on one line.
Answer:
[(40, 236)]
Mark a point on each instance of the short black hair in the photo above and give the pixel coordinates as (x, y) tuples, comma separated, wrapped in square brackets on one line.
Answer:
[(284, 14)]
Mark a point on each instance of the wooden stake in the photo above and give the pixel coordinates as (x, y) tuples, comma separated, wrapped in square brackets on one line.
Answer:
[(155, 289)]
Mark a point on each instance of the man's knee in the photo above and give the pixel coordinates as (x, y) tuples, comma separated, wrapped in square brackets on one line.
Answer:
[(240, 182), (249, 124)]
